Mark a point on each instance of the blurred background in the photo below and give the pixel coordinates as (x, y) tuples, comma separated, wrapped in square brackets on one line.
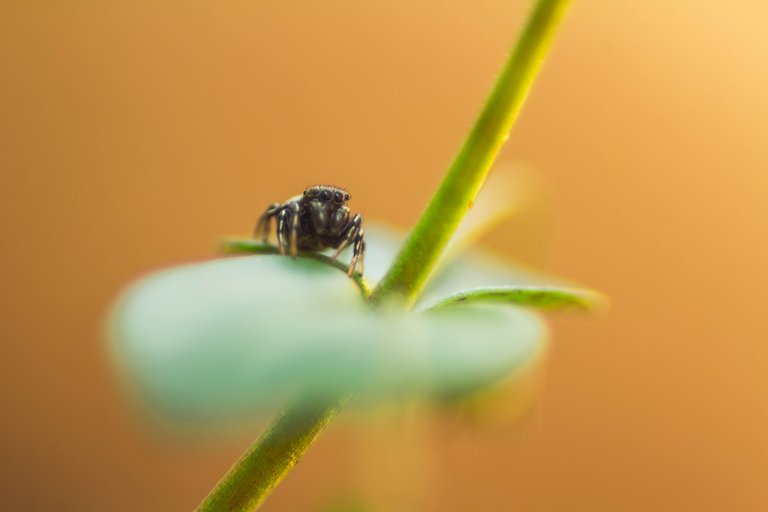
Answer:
[(134, 134)]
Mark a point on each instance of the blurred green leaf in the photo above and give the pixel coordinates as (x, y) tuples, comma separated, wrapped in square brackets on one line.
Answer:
[(540, 297), (483, 269), (251, 246), (235, 337)]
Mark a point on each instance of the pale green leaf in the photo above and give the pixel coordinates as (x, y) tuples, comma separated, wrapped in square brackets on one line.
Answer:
[(237, 336), (540, 297), (483, 269)]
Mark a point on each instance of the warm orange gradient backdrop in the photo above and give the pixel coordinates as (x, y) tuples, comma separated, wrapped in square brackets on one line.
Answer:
[(134, 134)]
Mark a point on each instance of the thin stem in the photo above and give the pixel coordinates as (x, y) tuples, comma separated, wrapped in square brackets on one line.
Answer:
[(421, 251), (261, 468)]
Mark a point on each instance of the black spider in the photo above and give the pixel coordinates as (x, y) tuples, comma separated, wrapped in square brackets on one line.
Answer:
[(316, 220)]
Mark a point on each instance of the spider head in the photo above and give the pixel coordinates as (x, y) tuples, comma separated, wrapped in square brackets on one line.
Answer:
[(327, 209)]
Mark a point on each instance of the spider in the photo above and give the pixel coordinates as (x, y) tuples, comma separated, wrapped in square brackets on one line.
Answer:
[(316, 220)]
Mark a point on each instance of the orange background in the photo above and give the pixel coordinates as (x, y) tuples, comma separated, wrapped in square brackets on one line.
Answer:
[(134, 134)]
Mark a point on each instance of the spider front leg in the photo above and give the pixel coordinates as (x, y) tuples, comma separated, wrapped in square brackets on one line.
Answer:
[(293, 234), (282, 226), (351, 234), (262, 226), (288, 230), (358, 253)]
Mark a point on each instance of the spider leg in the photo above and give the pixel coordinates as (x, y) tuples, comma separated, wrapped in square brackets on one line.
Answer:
[(349, 234), (358, 253), (293, 233), (361, 252), (282, 227), (262, 226)]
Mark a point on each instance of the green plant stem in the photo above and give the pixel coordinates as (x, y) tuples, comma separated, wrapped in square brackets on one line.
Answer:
[(261, 468), (250, 480), (421, 251)]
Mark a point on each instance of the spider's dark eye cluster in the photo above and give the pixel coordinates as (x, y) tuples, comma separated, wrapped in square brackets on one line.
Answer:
[(338, 196)]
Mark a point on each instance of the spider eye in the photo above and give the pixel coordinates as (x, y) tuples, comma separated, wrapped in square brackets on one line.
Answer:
[(337, 197), (325, 195), (346, 197)]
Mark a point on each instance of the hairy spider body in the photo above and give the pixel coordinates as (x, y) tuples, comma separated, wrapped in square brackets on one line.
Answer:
[(316, 220)]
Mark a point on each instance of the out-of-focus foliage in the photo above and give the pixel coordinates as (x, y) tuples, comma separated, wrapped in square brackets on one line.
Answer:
[(236, 336), (547, 298)]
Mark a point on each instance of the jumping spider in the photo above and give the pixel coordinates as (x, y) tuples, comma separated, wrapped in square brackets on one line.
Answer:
[(316, 220)]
